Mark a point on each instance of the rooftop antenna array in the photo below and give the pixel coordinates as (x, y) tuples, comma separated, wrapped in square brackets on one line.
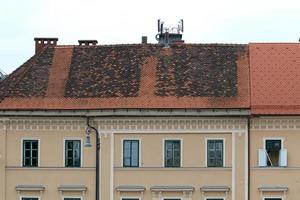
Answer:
[(169, 34)]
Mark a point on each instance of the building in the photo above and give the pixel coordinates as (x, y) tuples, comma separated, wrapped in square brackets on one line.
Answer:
[(186, 122)]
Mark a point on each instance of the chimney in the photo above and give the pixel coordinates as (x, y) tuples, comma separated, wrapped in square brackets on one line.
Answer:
[(144, 39), (41, 43), (87, 42)]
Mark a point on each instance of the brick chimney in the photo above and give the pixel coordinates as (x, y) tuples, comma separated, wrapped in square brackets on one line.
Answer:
[(87, 42), (41, 43)]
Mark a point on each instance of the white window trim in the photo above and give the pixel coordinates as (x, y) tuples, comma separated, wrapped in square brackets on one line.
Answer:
[(266, 197), (139, 198), (39, 150), (39, 198), (63, 197), (224, 149), (140, 150), (81, 152), (214, 197), (163, 151)]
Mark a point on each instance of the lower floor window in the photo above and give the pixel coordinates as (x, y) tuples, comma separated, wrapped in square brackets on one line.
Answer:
[(30, 198), (272, 198), (214, 199), (72, 198), (130, 199)]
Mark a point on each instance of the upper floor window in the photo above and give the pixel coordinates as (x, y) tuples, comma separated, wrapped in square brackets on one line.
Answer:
[(130, 153), (172, 153), (72, 153), (30, 153), (273, 155), (215, 154)]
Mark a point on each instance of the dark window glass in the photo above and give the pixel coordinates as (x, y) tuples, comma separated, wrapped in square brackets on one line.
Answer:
[(72, 153), (72, 199), (273, 148), (130, 199), (30, 153), (215, 153), (130, 153), (29, 198), (272, 199), (172, 153), (214, 199)]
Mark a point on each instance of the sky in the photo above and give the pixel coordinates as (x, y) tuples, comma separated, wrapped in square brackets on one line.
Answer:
[(125, 21)]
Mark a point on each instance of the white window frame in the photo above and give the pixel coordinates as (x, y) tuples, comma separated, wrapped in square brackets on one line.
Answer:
[(224, 150), (21, 197), (139, 198), (273, 197), (79, 197), (81, 152), (214, 197), (140, 151), (39, 151), (163, 151)]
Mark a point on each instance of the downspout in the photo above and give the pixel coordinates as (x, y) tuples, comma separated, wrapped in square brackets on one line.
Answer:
[(97, 157), (249, 128)]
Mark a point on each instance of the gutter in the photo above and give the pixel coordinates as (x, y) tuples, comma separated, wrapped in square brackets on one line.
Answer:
[(129, 112)]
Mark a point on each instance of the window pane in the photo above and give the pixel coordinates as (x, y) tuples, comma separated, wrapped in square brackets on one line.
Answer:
[(34, 145), (134, 153)]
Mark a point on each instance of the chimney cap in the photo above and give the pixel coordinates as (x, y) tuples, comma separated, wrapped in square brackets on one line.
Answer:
[(87, 42), (45, 39), (144, 39)]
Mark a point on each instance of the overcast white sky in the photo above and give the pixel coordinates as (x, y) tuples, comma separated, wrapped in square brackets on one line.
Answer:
[(125, 21)]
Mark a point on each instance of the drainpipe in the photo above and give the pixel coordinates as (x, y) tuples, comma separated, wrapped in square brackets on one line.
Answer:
[(97, 156), (249, 128)]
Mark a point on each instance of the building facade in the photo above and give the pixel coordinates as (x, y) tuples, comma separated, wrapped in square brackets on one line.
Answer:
[(186, 122)]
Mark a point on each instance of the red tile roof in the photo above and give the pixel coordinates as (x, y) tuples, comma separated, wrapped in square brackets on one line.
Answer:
[(131, 76), (275, 78)]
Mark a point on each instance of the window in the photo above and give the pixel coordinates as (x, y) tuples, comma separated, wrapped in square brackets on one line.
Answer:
[(272, 198), (273, 148), (30, 198), (215, 153), (172, 153), (130, 199), (30, 153), (130, 153), (214, 199), (273, 155), (72, 198), (72, 153)]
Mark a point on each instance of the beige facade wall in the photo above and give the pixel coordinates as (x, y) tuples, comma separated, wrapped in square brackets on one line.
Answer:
[(193, 133), (287, 129)]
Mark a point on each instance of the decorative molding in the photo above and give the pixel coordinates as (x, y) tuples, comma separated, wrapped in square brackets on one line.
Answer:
[(291, 123), (132, 125)]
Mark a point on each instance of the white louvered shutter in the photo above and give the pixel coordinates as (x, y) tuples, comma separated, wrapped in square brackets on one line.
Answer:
[(283, 158), (262, 158)]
